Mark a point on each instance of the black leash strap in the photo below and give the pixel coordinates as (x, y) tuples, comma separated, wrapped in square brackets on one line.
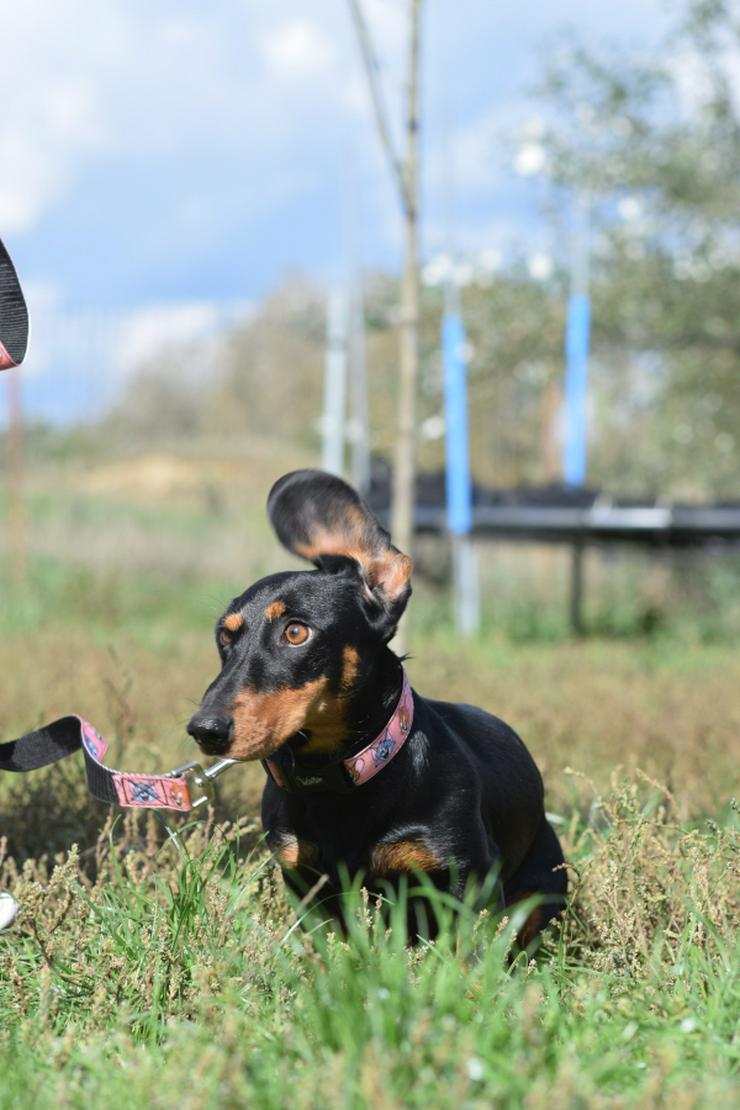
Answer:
[(68, 735), (51, 743), (13, 315)]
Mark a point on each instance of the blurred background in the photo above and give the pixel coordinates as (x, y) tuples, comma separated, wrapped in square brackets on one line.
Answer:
[(208, 232)]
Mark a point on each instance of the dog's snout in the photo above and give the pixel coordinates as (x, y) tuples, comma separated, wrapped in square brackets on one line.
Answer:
[(211, 732)]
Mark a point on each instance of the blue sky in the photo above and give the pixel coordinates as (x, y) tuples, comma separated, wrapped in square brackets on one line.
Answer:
[(166, 163)]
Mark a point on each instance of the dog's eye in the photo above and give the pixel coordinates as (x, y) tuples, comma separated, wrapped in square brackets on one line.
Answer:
[(296, 633), (224, 638)]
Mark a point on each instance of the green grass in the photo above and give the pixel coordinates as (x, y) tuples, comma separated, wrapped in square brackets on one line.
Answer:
[(141, 976), (153, 609), (185, 981)]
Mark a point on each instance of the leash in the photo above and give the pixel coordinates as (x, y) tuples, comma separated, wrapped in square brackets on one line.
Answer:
[(184, 789), (190, 786), (13, 315)]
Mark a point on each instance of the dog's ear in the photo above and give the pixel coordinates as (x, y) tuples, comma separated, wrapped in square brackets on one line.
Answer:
[(322, 519)]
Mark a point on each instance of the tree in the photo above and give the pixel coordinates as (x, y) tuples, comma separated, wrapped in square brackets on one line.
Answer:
[(656, 143), (405, 172)]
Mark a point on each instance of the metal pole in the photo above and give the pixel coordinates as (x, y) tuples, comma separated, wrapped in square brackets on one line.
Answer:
[(577, 339), (459, 487), (335, 385), (359, 420), (576, 588)]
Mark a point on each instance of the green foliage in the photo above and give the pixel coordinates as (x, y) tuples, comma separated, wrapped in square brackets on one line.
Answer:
[(185, 980), (654, 141), (139, 974)]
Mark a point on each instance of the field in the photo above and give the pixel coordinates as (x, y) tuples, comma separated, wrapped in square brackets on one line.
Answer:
[(143, 973)]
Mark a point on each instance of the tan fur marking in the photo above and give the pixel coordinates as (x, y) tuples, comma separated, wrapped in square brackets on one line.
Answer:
[(391, 570), (234, 622), (403, 855), (326, 721), (262, 722), (292, 852), (275, 609), (350, 534), (392, 574), (327, 543), (534, 922), (350, 667), (531, 928)]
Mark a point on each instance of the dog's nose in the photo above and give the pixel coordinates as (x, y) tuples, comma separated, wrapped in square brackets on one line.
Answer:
[(211, 732)]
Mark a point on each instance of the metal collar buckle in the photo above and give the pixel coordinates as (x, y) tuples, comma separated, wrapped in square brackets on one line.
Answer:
[(200, 779)]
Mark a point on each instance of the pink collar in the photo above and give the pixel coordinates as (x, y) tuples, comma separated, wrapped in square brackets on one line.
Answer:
[(298, 778)]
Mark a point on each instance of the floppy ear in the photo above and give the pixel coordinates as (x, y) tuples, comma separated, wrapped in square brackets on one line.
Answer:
[(318, 516)]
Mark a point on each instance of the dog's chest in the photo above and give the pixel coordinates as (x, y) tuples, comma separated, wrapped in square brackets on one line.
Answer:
[(378, 859)]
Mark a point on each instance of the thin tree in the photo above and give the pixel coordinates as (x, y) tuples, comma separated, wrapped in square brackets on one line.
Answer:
[(17, 519), (406, 173)]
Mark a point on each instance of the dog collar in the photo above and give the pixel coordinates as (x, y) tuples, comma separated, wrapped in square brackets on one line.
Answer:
[(304, 778)]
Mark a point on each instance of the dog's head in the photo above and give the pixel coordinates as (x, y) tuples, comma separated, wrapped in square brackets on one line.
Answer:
[(295, 645)]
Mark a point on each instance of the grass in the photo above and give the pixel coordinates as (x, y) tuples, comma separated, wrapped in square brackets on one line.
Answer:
[(138, 974), (183, 981)]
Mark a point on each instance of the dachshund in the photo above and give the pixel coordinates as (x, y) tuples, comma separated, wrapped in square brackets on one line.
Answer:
[(365, 776)]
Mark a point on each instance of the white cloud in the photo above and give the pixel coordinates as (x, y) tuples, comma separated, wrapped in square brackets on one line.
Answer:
[(148, 331), (476, 152), (297, 50), (630, 209), (129, 80), (264, 93), (540, 265), (50, 123), (115, 344), (530, 159), (694, 81)]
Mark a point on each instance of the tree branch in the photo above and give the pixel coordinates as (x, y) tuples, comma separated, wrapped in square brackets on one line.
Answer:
[(370, 62)]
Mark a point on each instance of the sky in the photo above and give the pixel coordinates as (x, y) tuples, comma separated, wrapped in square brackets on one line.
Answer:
[(165, 165)]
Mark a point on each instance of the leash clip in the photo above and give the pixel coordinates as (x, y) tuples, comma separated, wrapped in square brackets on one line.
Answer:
[(200, 779)]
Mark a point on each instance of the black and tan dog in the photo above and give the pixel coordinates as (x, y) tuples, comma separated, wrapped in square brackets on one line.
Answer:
[(365, 775)]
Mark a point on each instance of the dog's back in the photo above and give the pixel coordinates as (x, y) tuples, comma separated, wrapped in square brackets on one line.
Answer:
[(511, 791)]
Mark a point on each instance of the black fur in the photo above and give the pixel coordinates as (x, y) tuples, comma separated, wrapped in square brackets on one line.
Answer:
[(463, 795)]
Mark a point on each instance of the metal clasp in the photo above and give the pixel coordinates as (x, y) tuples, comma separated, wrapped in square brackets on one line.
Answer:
[(200, 779)]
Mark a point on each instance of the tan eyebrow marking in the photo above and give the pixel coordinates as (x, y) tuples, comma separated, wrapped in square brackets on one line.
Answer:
[(275, 609), (234, 622), (350, 666)]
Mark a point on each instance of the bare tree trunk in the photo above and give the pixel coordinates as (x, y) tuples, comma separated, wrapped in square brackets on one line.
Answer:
[(404, 474), (16, 499), (406, 173)]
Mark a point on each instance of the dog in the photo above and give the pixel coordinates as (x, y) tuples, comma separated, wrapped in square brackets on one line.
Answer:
[(364, 775)]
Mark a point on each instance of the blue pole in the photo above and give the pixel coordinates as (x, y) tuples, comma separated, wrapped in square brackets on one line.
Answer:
[(459, 490), (576, 385)]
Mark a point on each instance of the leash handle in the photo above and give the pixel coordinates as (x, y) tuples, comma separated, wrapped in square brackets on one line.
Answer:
[(13, 315), (184, 789)]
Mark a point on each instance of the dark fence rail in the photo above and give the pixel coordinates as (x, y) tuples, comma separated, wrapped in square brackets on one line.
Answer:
[(559, 514), (671, 525)]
